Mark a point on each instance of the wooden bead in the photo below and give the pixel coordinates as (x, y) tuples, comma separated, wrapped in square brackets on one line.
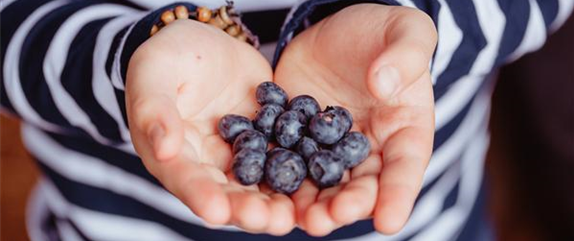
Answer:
[(218, 23), (167, 17), (203, 14), (233, 30), (181, 12), (153, 30), (224, 15)]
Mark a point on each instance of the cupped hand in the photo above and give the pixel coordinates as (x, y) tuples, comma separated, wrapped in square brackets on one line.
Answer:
[(179, 83), (373, 60)]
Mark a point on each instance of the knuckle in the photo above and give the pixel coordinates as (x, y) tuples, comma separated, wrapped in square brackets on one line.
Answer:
[(423, 22), (426, 22), (419, 51)]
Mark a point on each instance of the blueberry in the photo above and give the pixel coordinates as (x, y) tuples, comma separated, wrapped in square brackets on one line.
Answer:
[(289, 128), (230, 126), (248, 166), (250, 139), (307, 147), (265, 119), (285, 171), (275, 150), (353, 148), (345, 116), (326, 128), (326, 168), (305, 104), (270, 93)]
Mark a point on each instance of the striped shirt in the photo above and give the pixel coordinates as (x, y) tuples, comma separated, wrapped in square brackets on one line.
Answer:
[(63, 70)]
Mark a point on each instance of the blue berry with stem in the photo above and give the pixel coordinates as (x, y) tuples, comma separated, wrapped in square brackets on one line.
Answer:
[(305, 104), (327, 128), (306, 147), (265, 119), (230, 126), (285, 171), (326, 168), (346, 116), (354, 148), (270, 93), (248, 166), (290, 128), (250, 139)]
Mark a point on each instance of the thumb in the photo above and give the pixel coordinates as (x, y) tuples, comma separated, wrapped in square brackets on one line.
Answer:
[(151, 104), (410, 43), (157, 118)]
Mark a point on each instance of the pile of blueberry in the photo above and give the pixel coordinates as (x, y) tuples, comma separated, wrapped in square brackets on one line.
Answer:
[(308, 139)]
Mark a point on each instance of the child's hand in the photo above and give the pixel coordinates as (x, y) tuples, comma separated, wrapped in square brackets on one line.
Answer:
[(373, 60), (179, 83)]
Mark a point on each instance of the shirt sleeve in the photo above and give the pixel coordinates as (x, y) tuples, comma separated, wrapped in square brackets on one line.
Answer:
[(474, 36), (64, 63)]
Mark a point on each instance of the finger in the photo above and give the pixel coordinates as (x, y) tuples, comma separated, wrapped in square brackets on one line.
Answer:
[(406, 155), (355, 201), (214, 149), (152, 109), (320, 211), (282, 217), (250, 210), (193, 184), (159, 119), (346, 177), (303, 199), (318, 219), (328, 193), (265, 189), (410, 42), (371, 166)]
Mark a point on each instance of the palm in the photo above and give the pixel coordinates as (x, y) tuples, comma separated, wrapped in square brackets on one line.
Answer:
[(191, 74), (335, 69)]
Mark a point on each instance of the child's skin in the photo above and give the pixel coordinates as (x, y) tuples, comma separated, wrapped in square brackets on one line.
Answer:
[(188, 75)]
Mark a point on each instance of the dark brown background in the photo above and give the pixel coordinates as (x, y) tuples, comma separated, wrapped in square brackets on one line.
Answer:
[(531, 159), (530, 164)]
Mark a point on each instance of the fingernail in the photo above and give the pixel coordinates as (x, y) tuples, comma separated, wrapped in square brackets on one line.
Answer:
[(155, 134), (387, 81)]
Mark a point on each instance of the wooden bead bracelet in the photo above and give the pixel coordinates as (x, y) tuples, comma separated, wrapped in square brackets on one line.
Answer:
[(224, 18)]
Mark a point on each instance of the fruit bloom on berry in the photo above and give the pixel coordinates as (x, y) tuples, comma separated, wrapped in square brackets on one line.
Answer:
[(326, 168), (275, 150), (346, 117), (250, 139), (285, 171), (305, 104), (327, 128), (270, 93), (305, 140), (353, 148), (230, 126), (265, 119), (289, 128), (307, 147), (248, 166)]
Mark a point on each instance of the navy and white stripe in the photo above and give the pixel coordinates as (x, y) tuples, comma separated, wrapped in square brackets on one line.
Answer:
[(63, 71)]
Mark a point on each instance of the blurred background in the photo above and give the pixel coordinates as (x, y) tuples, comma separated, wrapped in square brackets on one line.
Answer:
[(530, 166)]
